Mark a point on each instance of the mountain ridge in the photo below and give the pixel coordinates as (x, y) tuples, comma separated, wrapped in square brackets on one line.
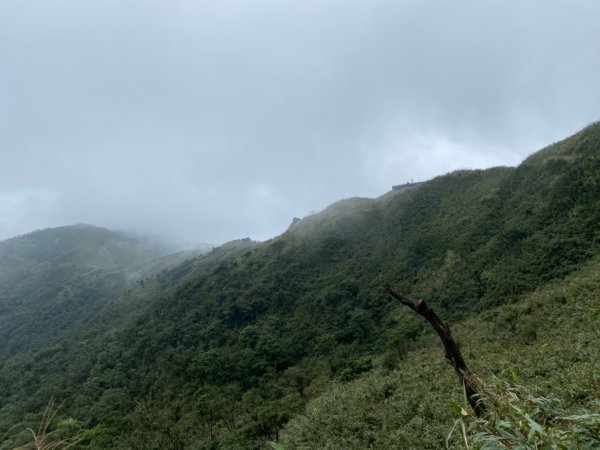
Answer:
[(223, 350)]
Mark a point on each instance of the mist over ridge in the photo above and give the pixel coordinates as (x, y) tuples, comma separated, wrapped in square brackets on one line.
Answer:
[(203, 205), (257, 342), (210, 121)]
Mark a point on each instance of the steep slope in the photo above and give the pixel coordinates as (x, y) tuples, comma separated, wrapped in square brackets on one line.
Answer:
[(223, 350), (54, 280), (56, 328), (545, 348)]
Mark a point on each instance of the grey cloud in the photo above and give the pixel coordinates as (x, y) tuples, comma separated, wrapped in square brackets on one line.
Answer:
[(217, 120)]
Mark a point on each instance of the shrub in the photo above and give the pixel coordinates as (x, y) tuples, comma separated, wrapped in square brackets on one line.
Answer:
[(520, 418)]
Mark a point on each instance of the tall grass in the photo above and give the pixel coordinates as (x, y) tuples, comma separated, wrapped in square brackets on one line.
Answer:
[(519, 418), (44, 438)]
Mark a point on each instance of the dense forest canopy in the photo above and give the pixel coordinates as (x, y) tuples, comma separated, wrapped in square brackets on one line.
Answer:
[(294, 340)]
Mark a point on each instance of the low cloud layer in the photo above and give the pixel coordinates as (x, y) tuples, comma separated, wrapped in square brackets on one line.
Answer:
[(217, 120)]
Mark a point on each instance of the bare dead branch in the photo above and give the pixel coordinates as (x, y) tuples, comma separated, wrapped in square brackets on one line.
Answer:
[(451, 348)]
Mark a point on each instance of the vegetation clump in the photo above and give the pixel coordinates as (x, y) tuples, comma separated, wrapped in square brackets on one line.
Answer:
[(521, 418)]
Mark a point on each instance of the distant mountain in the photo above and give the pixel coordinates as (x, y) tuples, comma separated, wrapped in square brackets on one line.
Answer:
[(294, 339), (76, 244), (54, 279)]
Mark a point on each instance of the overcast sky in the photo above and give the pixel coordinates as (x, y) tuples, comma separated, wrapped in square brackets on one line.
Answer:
[(215, 120)]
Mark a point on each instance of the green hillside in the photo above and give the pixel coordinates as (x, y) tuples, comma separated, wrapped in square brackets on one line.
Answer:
[(294, 340), (53, 282)]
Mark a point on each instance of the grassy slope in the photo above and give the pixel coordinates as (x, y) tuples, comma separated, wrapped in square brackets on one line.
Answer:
[(550, 338), (223, 351)]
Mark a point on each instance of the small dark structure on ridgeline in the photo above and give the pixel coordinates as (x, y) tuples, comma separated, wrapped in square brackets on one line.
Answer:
[(410, 183)]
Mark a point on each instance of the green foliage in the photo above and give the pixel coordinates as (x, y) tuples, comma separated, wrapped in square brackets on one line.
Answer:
[(55, 433), (520, 418), (293, 340), (407, 407), (356, 367)]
